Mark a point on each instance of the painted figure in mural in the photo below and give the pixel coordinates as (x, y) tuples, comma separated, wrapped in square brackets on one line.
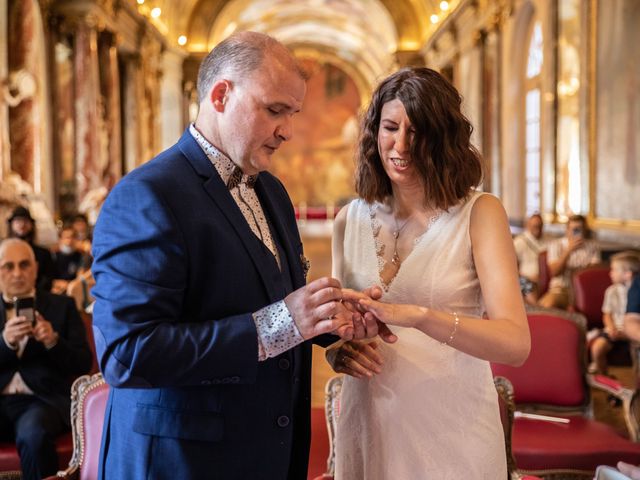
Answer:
[(201, 318), (443, 255)]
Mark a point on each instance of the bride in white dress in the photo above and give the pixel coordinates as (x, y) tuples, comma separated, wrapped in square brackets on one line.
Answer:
[(444, 258)]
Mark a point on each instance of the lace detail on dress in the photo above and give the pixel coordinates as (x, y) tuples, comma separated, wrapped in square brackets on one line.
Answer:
[(380, 247)]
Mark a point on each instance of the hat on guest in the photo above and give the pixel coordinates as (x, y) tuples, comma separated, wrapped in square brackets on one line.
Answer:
[(20, 212)]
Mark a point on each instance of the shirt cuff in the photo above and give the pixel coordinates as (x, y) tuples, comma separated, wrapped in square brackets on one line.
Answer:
[(277, 332)]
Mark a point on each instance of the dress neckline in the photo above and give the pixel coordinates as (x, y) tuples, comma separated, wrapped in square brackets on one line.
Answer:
[(379, 248)]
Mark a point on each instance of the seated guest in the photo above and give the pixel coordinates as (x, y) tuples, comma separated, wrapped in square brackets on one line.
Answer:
[(565, 255), (21, 225), (528, 245), (624, 266), (38, 361), (68, 260), (82, 231)]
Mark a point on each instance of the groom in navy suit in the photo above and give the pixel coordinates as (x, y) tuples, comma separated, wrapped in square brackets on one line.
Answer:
[(202, 315)]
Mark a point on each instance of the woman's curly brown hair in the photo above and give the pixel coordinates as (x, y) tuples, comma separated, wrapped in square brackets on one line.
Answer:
[(449, 166)]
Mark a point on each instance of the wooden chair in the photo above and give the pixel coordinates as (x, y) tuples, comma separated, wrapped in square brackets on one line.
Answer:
[(89, 395), (553, 381), (505, 402)]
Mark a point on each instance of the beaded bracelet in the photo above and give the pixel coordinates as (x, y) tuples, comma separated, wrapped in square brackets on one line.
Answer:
[(456, 322)]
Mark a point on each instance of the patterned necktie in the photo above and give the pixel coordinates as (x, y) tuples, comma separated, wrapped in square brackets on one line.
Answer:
[(236, 179)]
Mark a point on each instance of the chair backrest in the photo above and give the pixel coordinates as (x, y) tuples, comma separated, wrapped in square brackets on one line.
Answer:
[(544, 274), (554, 376), (589, 285), (332, 411), (89, 395)]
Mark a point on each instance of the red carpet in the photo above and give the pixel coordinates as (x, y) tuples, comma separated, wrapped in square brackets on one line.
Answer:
[(319, 444)]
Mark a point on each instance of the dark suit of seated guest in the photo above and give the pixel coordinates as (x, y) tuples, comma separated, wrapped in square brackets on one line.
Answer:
[(37, 362)]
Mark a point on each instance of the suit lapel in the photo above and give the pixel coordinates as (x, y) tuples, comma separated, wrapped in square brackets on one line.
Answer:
[(219, 194), (288, 243)]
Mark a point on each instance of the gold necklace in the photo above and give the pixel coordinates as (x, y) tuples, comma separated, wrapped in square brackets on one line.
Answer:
[(395, 258)]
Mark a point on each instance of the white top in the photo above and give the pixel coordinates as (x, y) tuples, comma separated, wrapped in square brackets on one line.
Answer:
[(433, 411), (584, 256), (528, 250), (615, 303)]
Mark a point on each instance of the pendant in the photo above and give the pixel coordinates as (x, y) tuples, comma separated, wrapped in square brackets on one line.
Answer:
[(395, 259), (396, 234)]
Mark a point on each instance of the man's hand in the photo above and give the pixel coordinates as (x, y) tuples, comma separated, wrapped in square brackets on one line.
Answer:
[(366, 325), (15, 330), (358, 359), (44, 333), (316, 308)]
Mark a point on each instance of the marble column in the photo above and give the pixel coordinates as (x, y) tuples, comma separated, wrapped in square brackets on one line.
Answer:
[(5, 156), (149, 90), (491, 109), (29, 125), (24, 116), (89, 153), (64, 121), (130, 112), (110, 88), (171, 98)]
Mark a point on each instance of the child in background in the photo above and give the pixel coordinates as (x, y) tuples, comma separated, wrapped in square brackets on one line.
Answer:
[(624, 266)]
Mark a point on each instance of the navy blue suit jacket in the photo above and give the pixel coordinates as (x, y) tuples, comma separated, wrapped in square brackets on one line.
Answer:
[(178, 275), (49, 373)]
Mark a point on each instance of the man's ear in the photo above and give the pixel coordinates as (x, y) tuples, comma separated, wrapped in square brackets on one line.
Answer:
[(218, 95)]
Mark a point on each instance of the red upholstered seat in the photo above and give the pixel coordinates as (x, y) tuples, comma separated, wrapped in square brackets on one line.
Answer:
[(582, 444), (553, 381), (544, 274), (589, 285)]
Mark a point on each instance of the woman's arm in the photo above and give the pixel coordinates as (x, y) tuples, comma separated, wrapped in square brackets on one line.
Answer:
[(504, 337)]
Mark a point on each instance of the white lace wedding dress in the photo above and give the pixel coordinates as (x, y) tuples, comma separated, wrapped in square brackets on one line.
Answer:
[(433, 411)]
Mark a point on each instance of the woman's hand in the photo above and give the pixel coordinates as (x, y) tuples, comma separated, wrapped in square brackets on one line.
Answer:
[(402, 315), (358, 359), (365, 324)]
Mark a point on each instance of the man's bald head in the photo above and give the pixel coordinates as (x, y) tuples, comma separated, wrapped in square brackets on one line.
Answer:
[(238, 56), (18, 268)]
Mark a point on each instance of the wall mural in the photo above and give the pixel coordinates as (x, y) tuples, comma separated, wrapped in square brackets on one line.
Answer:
[(317, 165)]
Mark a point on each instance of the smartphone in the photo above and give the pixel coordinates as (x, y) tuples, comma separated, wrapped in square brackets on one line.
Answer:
[(26, 307), (577, 232)]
